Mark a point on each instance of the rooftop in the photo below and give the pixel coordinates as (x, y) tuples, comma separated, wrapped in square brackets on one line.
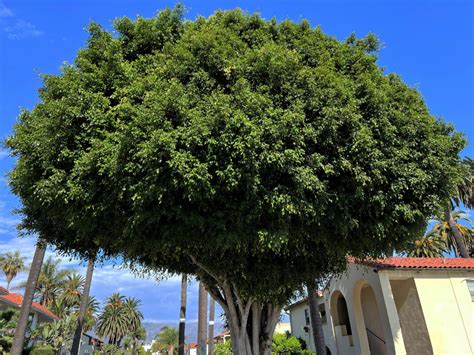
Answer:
[(417, 263), (17, 299)]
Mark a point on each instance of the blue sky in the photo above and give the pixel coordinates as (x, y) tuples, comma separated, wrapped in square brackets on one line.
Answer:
[(429, 43)]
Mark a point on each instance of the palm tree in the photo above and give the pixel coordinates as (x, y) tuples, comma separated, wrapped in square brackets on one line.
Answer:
[(202, 320), (51, 281), (137, 335), (431, 245), (30, 288), (316, 323), (11, 264), (72, 289), (92, 309), (464, 194), (121, 317), (112, 324), (210, 335), (133, 314), (83, 307), (451, 231), (182, 314), (167, 339)]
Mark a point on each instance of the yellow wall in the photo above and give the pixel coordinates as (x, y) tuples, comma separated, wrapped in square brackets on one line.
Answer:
[(448, 310)]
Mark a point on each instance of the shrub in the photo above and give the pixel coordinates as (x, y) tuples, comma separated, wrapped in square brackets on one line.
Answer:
[(286, 344), (42, 350), (224, 348)]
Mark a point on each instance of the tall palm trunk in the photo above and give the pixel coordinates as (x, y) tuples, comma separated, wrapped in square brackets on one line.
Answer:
[(82, 308), (210, 337), (182, 314), (19, 337), (9, 280), (458, 238), (316, 324), (202, 320)]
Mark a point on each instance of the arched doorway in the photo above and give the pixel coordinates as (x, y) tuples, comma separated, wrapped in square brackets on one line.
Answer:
[(341, 323), (373, 327)]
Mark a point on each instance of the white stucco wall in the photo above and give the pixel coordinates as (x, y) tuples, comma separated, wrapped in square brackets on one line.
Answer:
[(448, 310), (298, 322)]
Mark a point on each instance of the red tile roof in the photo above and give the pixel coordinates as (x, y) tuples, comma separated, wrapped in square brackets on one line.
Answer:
[(17, 299), (417, 263)]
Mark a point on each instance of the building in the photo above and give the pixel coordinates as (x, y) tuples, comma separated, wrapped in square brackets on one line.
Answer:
[(283, 328), (40, 314), (395, 306)]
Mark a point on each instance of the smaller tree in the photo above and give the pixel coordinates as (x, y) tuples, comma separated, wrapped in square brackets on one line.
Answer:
[(431, 245), (11, 264), (459, 224), (166, 340), (58, 334)]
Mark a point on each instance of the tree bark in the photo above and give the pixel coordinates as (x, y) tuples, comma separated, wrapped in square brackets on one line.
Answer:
[(458, 238), (202, 320), (316, 324), (9, 280), (182, 315), (212, 307), (19, 337), (245, 333), (82, 308)]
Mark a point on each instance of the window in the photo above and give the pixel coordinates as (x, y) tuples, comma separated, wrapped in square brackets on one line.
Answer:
[(322, 312), (470, 286), (306, 316)]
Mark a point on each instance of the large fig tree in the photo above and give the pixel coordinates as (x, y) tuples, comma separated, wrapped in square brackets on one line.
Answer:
[(253, 154)]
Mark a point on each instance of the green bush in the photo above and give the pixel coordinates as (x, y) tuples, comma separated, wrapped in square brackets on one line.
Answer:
[(42, 350), (224, 348), (286, 344)]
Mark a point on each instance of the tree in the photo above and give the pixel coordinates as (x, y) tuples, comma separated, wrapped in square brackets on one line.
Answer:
[(202, 320), (252, 154), (316, 323), (449, 229), (11, 264), (33, 275), (120, 317), (51, 281), (58, 334), (182, 315), (71, 289), (431, 245), (83, 307), (210, 336), (166, 340)]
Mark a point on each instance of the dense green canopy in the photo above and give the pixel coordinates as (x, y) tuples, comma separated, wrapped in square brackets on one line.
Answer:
[(267, 151)]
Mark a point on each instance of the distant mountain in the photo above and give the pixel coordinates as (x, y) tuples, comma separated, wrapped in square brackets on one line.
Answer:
[(153, 328)]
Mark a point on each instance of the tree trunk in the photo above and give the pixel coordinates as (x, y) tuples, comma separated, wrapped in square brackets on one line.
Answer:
[(249, 337), (9, 280), (19, 337), (82, 308), (202, 320), (316, 324), (182, 315), (212, 307), (458, 238)]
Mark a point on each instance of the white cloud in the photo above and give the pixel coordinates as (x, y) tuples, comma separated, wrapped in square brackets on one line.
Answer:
[(22, 29), (5, 11)]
